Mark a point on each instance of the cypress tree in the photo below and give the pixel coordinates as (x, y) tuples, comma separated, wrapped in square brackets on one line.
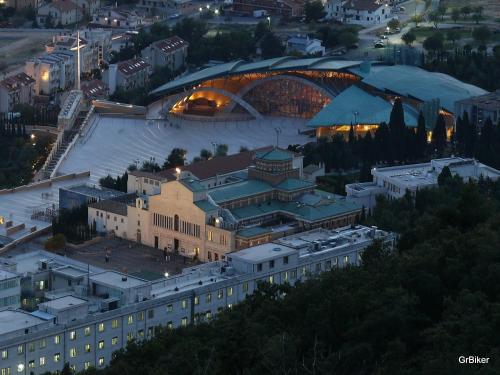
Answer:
[(421, 138), (439, 135), (397, 129)]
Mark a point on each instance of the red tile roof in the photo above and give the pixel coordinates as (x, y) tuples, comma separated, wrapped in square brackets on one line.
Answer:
[(132, 66), (170, 44), (13, 82), (368, 5)]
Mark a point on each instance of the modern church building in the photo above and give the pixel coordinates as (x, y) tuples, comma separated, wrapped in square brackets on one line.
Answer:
[(212, 207), (331, 94)]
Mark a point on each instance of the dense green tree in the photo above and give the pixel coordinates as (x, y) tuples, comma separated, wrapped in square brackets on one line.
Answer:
[(221, 150), (439, 135), (271, 46), (481, 34), (421, 135), (314, 10), (408, 38), (176, 158)]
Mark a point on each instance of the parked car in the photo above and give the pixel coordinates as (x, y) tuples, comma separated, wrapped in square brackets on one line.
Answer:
[(174, 16), (379, 44)]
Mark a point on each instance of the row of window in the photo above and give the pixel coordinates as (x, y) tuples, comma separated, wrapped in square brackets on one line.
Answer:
[(151, 182), (8, 284), (9, 301)]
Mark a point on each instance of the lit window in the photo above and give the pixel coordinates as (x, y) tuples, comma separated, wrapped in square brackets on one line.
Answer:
[(130, 336), (245, 286), (20, 349), (346, 259), (208, 315), (5, 354), (184, 321), (100, 327), (42, 343), (130, 319), (220, 293), (170, 308), (150, 331), (86, 331), (87, 348), (114, 341), (72, 335), (57, 357), (170, 325), (196, 300), (140, 316), (72, 368), (42, 361), (86, 365), (141, 333), (208, 298), (114, 323), (285, 276), (229, 305), (101, 361), (5, 371), (184, 303), (101, 344), (271, 279), (230, 291), (72, 352), (57, 339), (31, 364), (293, 274)]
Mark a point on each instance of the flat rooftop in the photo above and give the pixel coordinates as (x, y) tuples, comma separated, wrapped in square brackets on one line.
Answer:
[(4, 275), (261, 253), (118, 280), (116, 142), (14, 320), (95, 192), (64, 303)]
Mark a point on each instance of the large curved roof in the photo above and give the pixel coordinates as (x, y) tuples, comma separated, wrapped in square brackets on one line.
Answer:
[(240, 67), (418, 83), (354, 105)]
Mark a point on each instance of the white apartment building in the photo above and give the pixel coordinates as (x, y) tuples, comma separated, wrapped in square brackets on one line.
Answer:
[(366, 12), (89, 314), (17, 89), (394, 182), (10, 289), (170, 52), (94, 46), (127, 75), (63, 12), (52, 72), (114, 17), (303, 45), (70, 110)]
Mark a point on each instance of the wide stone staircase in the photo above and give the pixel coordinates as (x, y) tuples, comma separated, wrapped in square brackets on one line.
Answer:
[(64, 139)]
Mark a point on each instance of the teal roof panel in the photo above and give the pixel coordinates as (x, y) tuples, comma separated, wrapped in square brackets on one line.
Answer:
[(291, 184), (205, 205), (252, 232), (419, 83), (356, 106), (239, 190), (275, 154)]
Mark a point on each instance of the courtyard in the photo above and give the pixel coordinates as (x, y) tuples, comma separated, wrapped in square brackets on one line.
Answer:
[(113, 143)]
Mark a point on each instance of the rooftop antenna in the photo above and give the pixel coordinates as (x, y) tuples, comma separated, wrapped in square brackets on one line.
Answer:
[(278, 132)]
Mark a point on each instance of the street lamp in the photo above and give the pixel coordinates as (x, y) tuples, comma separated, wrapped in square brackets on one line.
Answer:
[(208, 6), (269, 21), (166, 275), (216, 12), (201, 9)]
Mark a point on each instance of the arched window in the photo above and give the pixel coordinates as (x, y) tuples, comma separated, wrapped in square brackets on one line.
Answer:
[(176, 223)]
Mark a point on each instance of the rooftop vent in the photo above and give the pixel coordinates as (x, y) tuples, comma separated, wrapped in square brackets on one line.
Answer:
[(276, 248), (124, 278)]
